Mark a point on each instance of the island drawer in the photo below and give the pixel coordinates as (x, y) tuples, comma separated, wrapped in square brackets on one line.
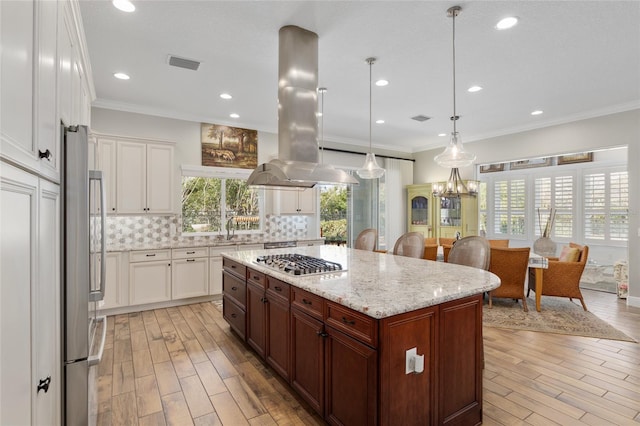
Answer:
[(256, 277), (307, 302), (234, 315), (190, 253), (278, 289), (355, 324), (234, 267), (234, 288)]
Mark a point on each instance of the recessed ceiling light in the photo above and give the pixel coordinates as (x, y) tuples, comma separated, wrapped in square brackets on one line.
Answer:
[(234, 115), (442, 134), (507, 23), (379, 121), (536, 112), (121, 76), (124, 5), (474, 89), (382, 83), (225, 96)]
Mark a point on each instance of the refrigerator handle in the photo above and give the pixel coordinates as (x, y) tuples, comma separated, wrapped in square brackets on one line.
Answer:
[(98, 295)]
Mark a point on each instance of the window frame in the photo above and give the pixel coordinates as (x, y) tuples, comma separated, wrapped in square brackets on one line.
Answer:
[(223, 173)]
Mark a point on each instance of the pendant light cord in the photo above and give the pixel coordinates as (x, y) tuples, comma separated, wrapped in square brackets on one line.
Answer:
[(454, 12), (371, 60)]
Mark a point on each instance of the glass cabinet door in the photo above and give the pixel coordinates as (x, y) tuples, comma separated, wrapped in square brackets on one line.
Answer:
[(450, 212), (419, 211)]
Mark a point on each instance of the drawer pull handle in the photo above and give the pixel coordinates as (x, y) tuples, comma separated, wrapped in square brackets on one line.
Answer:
[(191, 260), (346, 321), (264, 300), (233, 266), (234, 288), (46, 154), (233, 315), (322, 334), (191, 252), (278, 288), (151, 255), (44, 383), (256, 278), (307, 302)]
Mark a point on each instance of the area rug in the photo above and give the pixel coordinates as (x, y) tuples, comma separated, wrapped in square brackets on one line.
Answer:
[(558, 315)]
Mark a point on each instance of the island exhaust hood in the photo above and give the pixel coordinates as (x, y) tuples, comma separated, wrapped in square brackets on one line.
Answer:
[(297, 163)]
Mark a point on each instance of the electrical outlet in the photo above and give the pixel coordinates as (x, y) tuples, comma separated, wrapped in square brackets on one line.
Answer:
[(411, 360)]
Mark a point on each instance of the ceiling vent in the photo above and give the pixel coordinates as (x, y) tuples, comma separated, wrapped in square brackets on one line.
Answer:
[(421, 118), (179, 62)]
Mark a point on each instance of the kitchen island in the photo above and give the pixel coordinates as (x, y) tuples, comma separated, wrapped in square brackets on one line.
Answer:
[(387, 340)]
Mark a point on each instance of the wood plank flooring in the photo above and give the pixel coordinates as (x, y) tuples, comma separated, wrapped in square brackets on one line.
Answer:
[(183, 366)]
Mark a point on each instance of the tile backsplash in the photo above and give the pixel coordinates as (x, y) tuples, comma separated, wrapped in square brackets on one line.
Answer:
[(156, 231)]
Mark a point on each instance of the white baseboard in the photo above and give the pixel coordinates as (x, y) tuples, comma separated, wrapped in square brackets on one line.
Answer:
[(159, 305), (633, 301)]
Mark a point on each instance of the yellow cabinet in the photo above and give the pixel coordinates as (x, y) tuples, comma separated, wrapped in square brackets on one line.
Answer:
[(455, 215), (420, 209)]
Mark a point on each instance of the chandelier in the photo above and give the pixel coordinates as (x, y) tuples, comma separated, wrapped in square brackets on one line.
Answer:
[(455, 186)]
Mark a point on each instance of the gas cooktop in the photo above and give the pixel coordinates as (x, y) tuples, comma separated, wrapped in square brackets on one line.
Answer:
[(298, 264)]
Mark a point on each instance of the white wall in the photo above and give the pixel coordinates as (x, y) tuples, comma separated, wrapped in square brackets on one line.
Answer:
[(615, 130)]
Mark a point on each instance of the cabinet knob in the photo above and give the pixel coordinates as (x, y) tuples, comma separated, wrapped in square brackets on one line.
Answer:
[(234, 288), (46, 154), (44, 384), (323, 334), (113, 209), (278, 288)]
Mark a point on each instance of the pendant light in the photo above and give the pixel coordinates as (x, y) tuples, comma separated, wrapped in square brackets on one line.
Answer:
[(371, 169), (455, 186), (454, 155)]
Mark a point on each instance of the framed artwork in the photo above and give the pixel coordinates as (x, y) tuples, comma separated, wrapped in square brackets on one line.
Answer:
[(488, 168), (226, 146), (535, 162), (581, 157)]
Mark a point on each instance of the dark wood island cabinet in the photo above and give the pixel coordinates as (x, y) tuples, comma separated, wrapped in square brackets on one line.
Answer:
[(350, 365)]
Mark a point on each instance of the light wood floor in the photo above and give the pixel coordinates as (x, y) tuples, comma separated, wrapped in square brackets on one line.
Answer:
[(182, 366)]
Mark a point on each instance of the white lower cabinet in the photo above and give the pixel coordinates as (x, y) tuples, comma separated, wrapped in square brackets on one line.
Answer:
[(215, 268), (149, 279), (190, 275), (116, 293)]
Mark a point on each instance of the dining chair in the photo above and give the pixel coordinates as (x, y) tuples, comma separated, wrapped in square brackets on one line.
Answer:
[(430, 252), (366, 240), (499, 243), (471, 251), (562, 277), (510, 265), (410, 244)]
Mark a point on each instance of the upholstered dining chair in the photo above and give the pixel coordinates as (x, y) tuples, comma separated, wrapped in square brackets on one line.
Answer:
[(446, 241), (510, 265), (410, 244), (366, 240), (562, 278), (471, 251)]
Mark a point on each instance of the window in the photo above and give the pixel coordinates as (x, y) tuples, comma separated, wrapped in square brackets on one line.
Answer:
[(509, 198), (219, 200), (606, 206), (555, 192)]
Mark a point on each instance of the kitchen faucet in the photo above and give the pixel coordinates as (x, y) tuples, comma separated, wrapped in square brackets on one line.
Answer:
[(229, 226)]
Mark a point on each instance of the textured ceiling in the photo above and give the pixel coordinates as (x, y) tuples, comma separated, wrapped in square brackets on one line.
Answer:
[(571, 59)]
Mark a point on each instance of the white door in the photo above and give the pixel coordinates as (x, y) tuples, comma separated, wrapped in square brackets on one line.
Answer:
[(46, 312), (190, 277), (131, 182), (18, 276), (149, 282), (159, 178)]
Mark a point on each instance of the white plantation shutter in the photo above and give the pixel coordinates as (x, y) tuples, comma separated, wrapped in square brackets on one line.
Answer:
[(482, 205), (509, 207), (606, 206), (563, 200), (619, 206), (542, 203), (594, 206)]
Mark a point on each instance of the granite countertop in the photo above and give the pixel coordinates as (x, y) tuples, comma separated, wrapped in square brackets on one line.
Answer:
[(376, 284), (192, 242)]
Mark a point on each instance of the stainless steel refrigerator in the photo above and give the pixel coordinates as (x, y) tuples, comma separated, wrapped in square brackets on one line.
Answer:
[(83, 273)]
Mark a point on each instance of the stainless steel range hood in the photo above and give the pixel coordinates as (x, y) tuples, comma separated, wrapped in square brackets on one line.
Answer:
[(297, 164)]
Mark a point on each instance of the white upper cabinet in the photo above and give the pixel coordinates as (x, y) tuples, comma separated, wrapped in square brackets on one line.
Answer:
[(106, 161), (40, 51), (296, 201), (144, 178)]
